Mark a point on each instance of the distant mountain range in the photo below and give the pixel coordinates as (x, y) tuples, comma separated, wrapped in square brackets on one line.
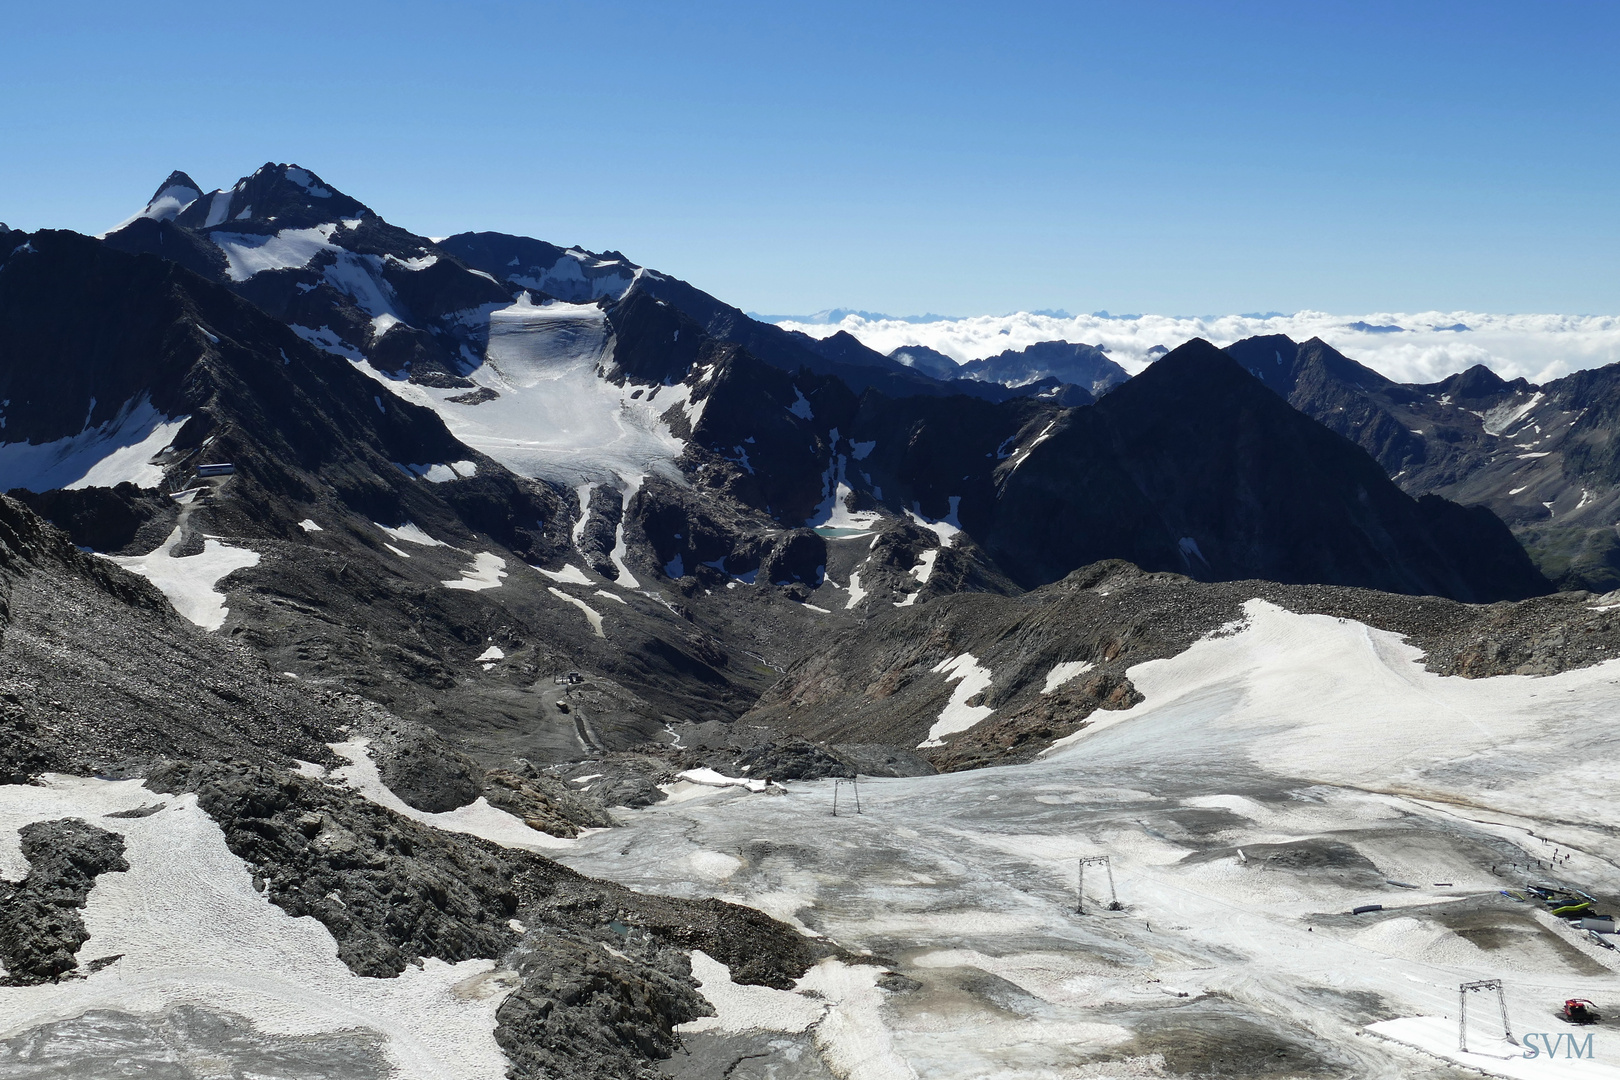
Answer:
[(526, 532), (498, 402)]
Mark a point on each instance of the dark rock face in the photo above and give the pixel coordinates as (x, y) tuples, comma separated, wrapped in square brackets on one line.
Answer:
[(928, 361), (1085, 366), (425, 772), (577, 276), (582, 1011), (1191, 467), (363, 268), (40, 926), (103, 519), (411, 891), (1540, 457), (1194, 467), (545, 803), (99, 676), (389, 890)]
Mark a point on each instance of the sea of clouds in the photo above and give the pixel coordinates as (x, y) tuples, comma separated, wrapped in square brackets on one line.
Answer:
[(1419, 348)]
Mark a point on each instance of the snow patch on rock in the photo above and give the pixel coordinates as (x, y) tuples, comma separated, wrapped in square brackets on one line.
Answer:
[(188, 581), (486, 572), (971, 679), (106, 455)]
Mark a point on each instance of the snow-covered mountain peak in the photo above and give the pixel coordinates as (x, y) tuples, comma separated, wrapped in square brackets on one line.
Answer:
[(172, 196), (275, 196)]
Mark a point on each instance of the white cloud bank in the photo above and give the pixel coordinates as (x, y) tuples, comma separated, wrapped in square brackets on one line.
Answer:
[(1427, 347)]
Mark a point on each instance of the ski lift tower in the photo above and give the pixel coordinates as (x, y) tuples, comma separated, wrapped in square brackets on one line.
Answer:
[(1487, 987), (1080, 883), (855, 787)]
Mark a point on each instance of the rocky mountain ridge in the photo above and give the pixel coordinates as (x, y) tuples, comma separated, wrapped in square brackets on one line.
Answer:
[(1540, 457)]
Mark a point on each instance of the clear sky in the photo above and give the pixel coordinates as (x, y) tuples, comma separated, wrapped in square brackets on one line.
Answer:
[(1174, 157)]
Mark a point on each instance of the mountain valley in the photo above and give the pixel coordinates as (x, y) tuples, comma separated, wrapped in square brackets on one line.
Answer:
[(471, 639)]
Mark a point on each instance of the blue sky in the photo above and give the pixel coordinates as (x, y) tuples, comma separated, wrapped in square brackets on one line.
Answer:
[(959, 158)]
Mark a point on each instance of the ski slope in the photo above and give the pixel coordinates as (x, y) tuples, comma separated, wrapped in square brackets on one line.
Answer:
[(1277, 775)]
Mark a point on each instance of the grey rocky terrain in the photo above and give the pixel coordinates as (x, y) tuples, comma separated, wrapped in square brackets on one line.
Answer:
[(1541, 457), (298, 521), (40, 927)]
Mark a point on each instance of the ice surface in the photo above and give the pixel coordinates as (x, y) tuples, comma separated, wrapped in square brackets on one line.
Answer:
[(556, 418), (192, 931), (1297, 731), (492, 653), (307, 182), (106, 455), (308, 525), (740, 1007), (1495, 1056), (188, 581), (360, 276), (218, 208), (1337, 701), (165, 206)]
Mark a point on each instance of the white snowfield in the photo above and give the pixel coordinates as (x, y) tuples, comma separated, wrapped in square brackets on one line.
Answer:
[(188, 580), (486, 572), (971, 680), (192, 931), (1338, 702), (833, 518), (567, 276), (1284, 733), (555, 417), (247, 254), (592, 616), (106, 455), (711, 778)]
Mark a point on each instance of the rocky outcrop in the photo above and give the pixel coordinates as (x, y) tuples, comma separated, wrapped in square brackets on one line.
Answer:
[(41, 929)]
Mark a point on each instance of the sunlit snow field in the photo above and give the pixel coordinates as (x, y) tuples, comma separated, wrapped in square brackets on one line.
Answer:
[(1277, 774)]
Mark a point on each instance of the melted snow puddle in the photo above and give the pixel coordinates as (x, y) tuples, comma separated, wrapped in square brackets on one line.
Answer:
[(192, 931)]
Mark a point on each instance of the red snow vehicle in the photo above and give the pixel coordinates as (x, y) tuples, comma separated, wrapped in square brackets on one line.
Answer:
[(1580, 1011)]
